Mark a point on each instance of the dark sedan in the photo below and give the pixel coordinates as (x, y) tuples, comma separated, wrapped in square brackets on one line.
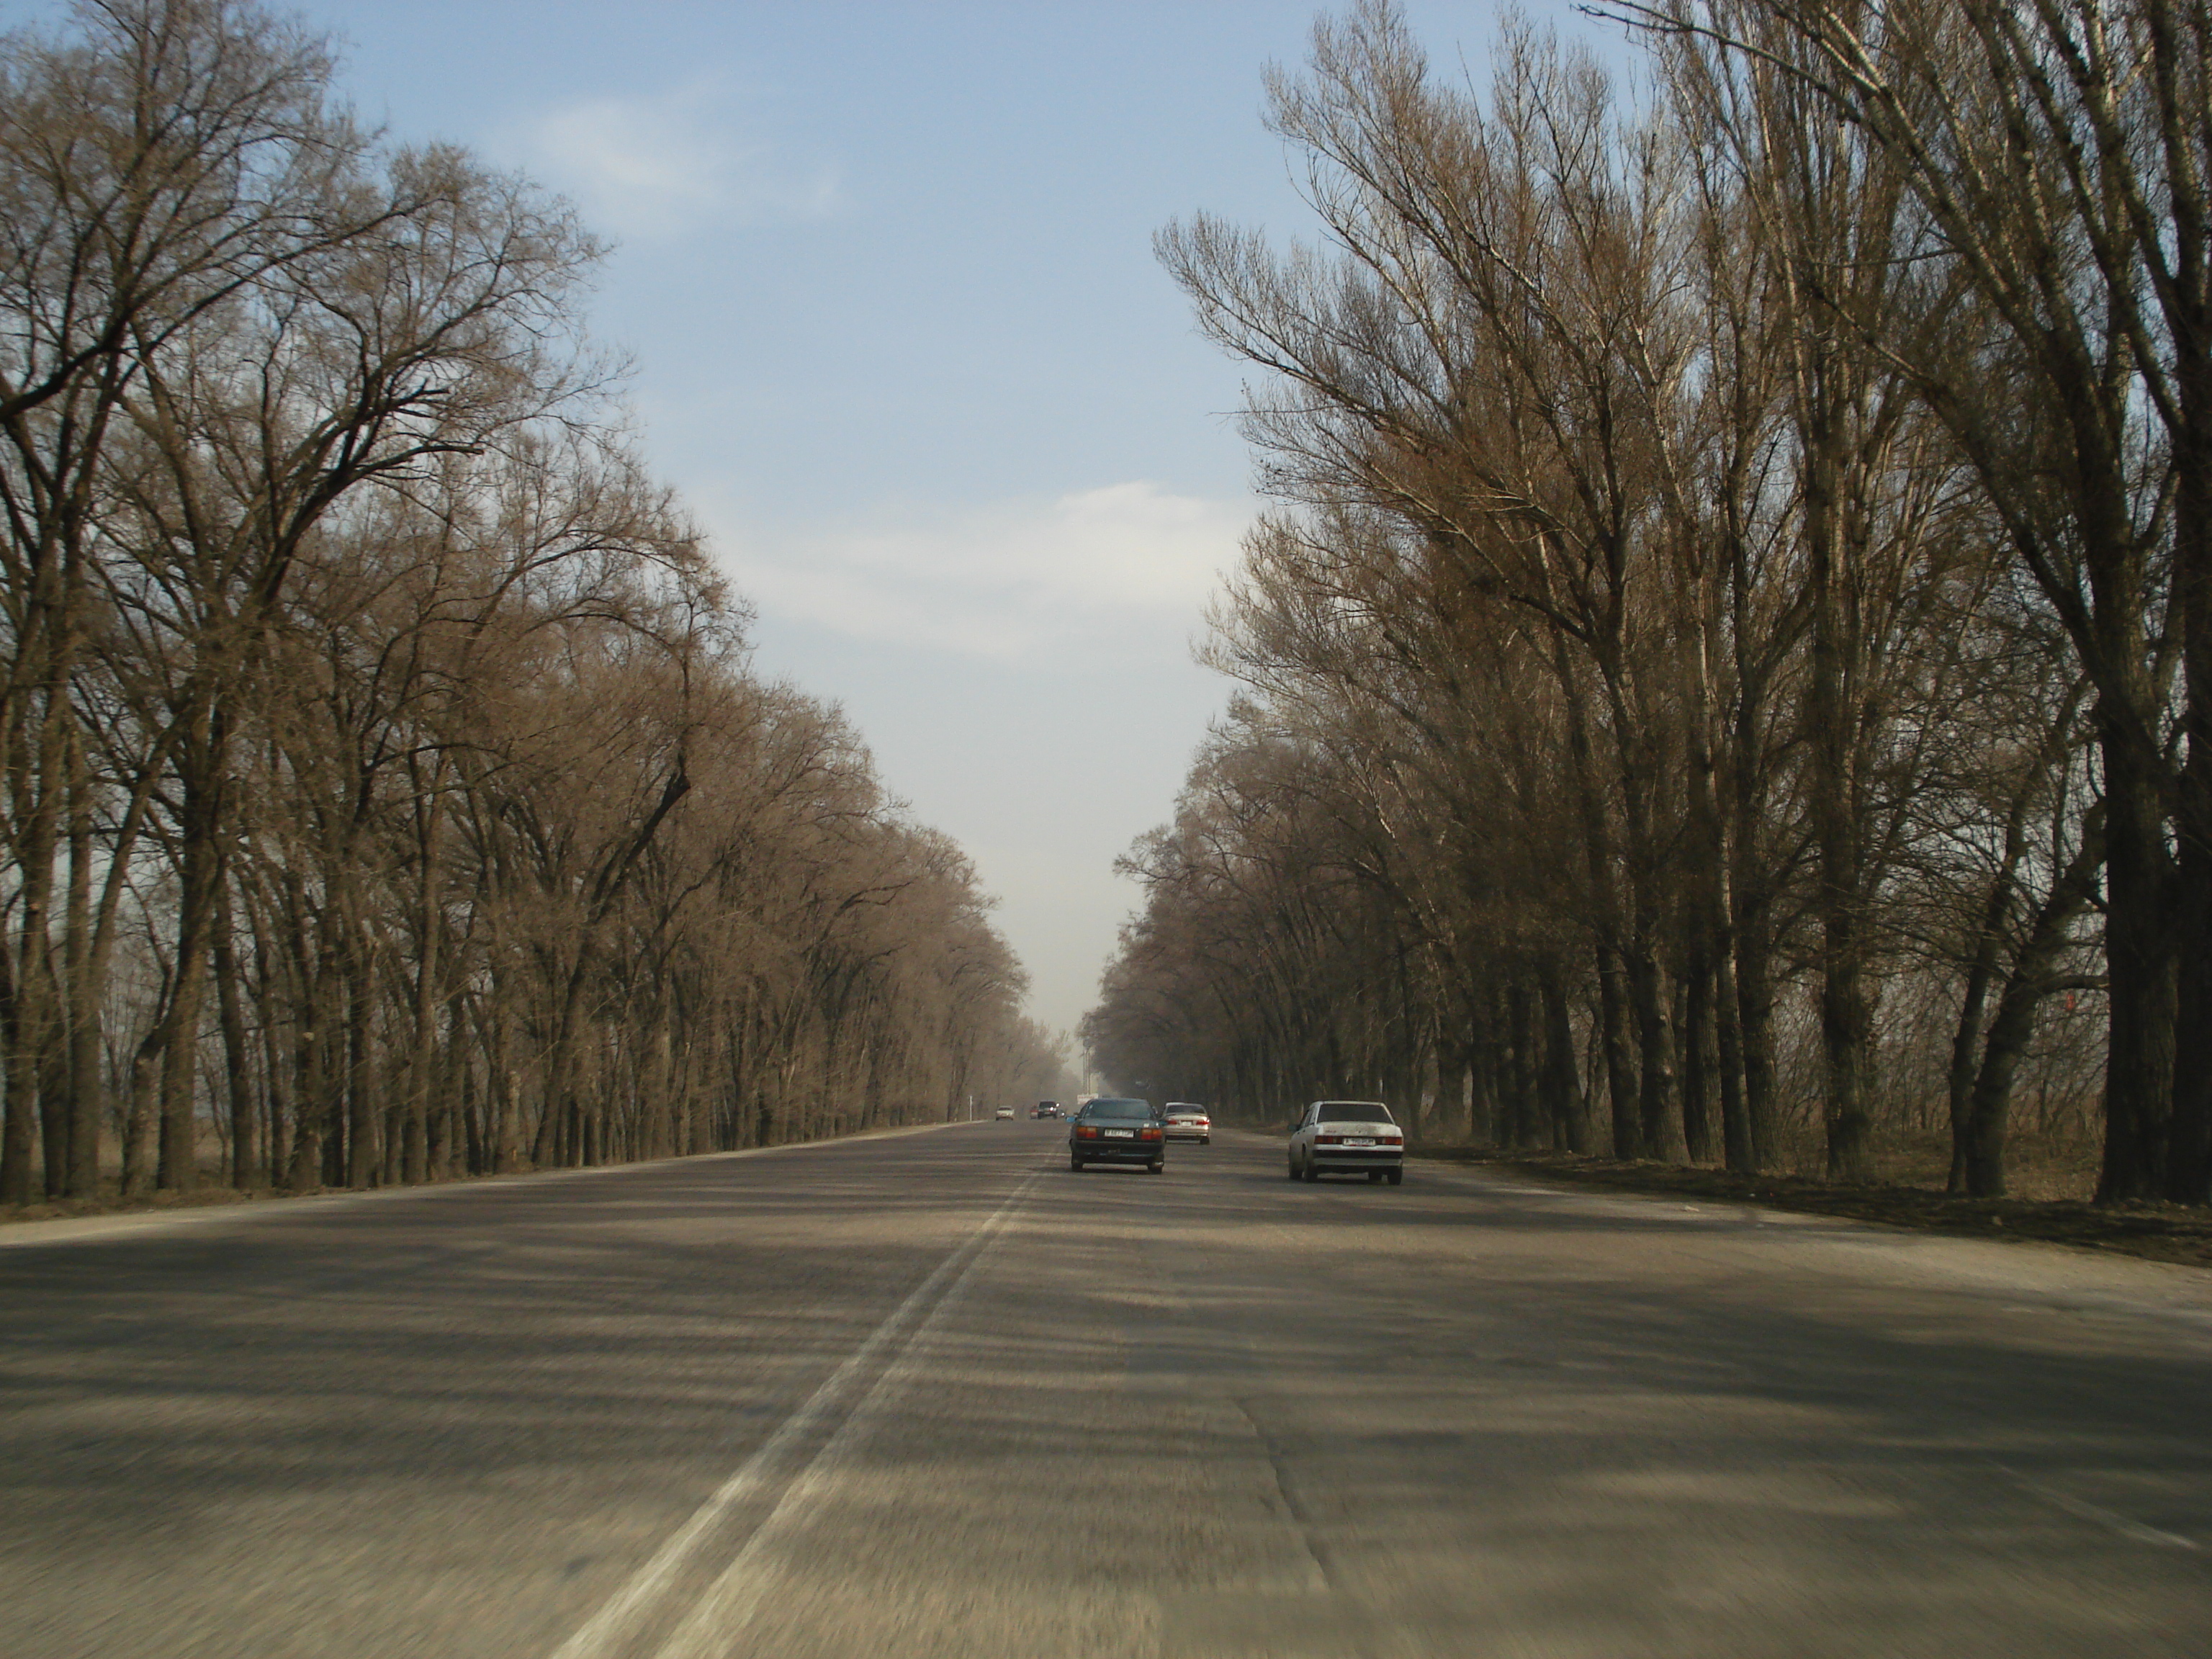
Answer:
[(1115, 1130)]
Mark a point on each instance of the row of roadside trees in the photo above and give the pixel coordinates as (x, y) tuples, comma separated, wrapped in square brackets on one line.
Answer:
[(1733, 650), (385, 791)]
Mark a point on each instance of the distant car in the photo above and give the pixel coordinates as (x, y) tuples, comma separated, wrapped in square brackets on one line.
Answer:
[(1046, 1109), (1006, 1112), (1348, 1137), (1115, 1129), (1189, 1122)]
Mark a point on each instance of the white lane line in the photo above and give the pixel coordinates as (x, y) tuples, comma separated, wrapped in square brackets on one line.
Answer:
[(616, 1621), (2083, 1510), (713, 1627)]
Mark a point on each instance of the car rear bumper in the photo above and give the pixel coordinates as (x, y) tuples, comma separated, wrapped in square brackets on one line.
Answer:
[(1325, 1158), (1190, 1135), (1117, 1151)]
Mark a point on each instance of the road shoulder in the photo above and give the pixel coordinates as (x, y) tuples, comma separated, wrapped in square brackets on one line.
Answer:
[(2172, 1233), (212, 1204)]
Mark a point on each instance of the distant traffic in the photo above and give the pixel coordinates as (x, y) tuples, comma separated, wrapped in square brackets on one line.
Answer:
[(1329, 1137)]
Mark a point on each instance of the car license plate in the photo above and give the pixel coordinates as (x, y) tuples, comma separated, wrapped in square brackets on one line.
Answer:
[(1119, 1134), (1359, 1140)]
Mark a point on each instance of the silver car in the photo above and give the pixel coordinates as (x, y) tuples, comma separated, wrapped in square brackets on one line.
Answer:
[(1348, 1137), (1190, 1122)]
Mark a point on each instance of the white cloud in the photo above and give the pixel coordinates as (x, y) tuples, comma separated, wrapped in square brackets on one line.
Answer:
[(654, 167), (1008, 581)]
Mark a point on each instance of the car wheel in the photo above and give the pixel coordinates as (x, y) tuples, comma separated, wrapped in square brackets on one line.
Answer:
[(1312, 1172), (1158, 1166), (1375, 1177), (1397, 1177), (1291, 1167), (1206, 1140), (1075, 1163)]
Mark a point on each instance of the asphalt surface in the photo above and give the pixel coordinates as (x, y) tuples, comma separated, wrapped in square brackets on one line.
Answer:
[(936, 1395)]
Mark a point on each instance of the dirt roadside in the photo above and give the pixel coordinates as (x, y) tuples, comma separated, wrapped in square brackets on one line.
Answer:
[(213, 1194), (2157, 1232)]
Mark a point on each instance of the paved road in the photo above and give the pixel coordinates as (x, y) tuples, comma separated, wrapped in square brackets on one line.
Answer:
[(935, 1395)]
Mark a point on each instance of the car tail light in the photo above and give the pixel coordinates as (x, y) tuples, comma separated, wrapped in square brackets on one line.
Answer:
[(1085, 1131), (1328, 1140), (1148, 1134)]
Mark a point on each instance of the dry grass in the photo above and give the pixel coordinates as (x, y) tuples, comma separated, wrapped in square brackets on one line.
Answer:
[(111, 1201), (2051, 1183), (2045, 1168)]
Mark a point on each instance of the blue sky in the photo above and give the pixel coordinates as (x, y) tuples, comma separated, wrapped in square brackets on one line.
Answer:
[(885, 271)]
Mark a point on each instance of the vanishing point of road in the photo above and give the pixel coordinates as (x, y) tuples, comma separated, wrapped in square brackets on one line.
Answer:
[(931, 1393)]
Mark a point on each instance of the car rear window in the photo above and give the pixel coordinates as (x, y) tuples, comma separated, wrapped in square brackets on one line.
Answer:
[(1353, 1112), (1118, 1109)]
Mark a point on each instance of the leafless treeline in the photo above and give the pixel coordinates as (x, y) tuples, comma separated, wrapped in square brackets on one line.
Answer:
[(386, 794), (1740, 593)]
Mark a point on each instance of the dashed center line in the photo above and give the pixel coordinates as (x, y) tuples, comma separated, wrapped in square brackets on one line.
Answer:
[(2081, 1508), (641, 1602)]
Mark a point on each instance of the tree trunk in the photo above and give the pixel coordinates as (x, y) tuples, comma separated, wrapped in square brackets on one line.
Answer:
[(55, 1117), (1613, 1047), (180, 1044), (1973, 1001), (1483, 1073), (1966, 1052), (1846, 1024), (2140, 952), (1700, 1052), (1658, 1131), (364, 1155), (1755, 990), (19, 1124), (141, 1120), (199, 876), (2189, 1155), (85, 972), (275, 1066), (245, 1130), (1564, 1100), (2013, 1024), (29, 1025), (1527, 1113)]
